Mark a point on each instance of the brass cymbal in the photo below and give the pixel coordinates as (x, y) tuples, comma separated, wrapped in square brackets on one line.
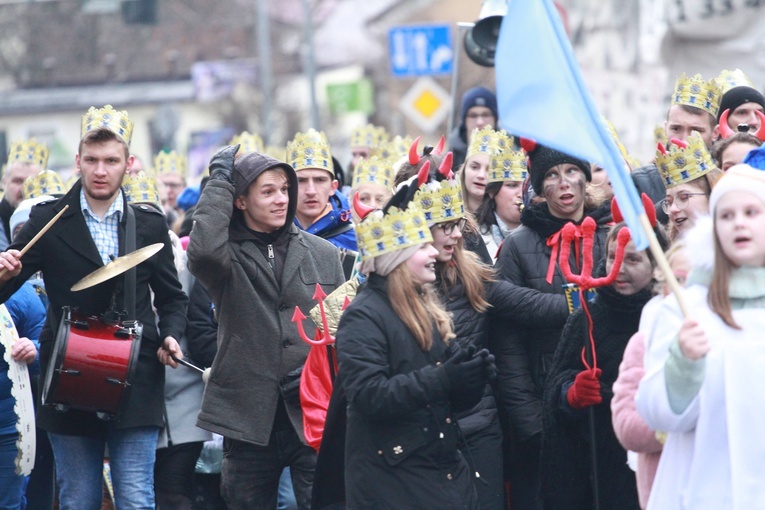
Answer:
[(117, 267)]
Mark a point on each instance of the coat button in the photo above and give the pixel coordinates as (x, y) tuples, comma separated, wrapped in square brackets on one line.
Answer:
[(379, 452), (448, 420), (286, 343), (282, 307), (449, 476), (424, 429), (398, 450)]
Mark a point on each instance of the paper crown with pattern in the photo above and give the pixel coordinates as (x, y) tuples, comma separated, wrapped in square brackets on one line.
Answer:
[(697, 92), (660, 135), (487, 141), (140, 189), (374, 170), (28, 151), (107, 117), (382, 233), (731, 79), (249, 142), (46, 182), (170, 162), (508, 165), (310, 150), (628, 158), (679, 164), (395, 149), (440, 201), (369, 136)]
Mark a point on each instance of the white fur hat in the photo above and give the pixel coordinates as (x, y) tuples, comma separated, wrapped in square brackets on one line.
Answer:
[(739, 177)]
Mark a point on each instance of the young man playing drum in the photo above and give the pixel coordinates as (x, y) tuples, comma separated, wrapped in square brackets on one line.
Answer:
[(96, 228)]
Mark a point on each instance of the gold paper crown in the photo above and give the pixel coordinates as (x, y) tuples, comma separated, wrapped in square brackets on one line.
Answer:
[(46, 182), (680, 165), (379, 234), (276, 152), (730, 79), (170, 162), (373, 171), (395, 149), (508, 165), (660, 135), (440, 201), (107, 117), (488, 141), (250, 142), (369, 136), (631, 162), (310, 150), (28, 151), (696, 92), (140, 189)]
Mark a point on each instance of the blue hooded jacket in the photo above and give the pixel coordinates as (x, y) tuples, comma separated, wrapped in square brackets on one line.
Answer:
[(335, 226)]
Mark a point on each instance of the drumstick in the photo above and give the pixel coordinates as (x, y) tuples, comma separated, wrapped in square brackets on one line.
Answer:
[(186, 363), (38, 236)]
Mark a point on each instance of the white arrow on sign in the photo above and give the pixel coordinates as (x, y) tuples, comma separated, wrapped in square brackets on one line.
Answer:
[(420, 44), (441, 56), (400, 58)]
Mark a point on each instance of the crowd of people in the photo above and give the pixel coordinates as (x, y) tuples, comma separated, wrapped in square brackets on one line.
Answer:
[(486, 334)]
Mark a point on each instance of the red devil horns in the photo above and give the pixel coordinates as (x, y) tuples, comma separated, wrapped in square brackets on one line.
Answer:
[(445, 168), (423, 174), (361, 210), (440, 146), (680, 143), (660, 147), (528, 144), (414, 158), (726, 131), (650, 210)]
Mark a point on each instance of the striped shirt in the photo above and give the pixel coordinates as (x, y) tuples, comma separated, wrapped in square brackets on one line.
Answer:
[(105, 232)]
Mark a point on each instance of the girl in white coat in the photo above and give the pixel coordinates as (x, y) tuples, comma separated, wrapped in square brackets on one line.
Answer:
[(707, 394)]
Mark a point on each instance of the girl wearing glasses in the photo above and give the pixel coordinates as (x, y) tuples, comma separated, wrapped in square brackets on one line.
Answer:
[(469, 292), (688, 173)]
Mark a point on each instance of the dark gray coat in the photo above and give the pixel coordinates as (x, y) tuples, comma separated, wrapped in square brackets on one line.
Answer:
[(257, 342)]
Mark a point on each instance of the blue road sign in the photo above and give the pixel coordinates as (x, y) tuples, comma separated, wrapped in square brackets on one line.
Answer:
[(420, 50)]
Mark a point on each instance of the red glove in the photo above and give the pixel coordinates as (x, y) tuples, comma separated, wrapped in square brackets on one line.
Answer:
[(586, 389)]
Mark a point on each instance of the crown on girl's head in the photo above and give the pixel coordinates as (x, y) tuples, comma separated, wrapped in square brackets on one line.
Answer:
[(697, 92), (29, 151), (508, 165), (683, 162), (487, 141), (395, 230), (373, 170), (170, 162), (140, 189), (46, 182), (248, 142), (107, 117), (440, 201), (310, 150)]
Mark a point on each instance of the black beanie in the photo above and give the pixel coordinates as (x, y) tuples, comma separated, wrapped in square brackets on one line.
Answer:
[(542, 158), (479, 96), (737, 96)]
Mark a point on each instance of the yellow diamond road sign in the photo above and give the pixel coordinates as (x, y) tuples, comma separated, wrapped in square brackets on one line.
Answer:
[(426, 104)]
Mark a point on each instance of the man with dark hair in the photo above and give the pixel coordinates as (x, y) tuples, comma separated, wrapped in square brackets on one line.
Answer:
[(258, 266), (98, 226), (478, 109), (740, 100)]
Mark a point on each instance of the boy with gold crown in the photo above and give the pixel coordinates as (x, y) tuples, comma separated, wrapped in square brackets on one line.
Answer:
[(25, 159), (97, 226)]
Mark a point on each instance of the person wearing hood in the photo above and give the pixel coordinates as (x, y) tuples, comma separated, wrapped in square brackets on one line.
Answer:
[(529, 258), (257, 266), (479, 109)]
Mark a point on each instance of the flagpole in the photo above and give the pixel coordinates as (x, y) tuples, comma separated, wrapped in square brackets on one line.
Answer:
[(663, 263)]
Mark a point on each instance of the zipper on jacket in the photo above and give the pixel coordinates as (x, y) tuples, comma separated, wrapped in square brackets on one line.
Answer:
[(271, 255)]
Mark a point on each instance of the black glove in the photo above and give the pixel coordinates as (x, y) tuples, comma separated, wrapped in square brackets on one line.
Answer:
[(222, 164)]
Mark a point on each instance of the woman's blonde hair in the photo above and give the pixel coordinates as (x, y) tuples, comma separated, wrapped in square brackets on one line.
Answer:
[(418, 307), (718, 296), (465, 266)]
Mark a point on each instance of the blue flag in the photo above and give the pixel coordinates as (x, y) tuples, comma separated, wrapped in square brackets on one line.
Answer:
[(542, 96)]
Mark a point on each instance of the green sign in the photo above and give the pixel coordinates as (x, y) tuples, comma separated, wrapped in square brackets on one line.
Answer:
[(357, 96)]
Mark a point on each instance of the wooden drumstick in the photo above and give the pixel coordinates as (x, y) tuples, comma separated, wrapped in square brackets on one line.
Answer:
[(38, 236)]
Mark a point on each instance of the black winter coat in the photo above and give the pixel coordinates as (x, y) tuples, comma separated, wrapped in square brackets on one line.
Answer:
[(525, 351), (401, 437), (66, 254), (565, 459)]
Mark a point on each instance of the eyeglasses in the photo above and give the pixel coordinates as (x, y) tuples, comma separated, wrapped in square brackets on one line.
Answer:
[(482, 115), (448, 227), (681, 201)]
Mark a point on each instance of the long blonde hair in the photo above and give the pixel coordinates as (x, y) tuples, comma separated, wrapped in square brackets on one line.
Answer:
[(418, 307), (718, 296)]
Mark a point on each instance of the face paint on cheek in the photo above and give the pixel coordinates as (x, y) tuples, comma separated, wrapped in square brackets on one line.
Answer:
[(548, 190)]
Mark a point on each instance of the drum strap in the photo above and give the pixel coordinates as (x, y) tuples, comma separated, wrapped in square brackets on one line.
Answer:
[(130, 278)]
